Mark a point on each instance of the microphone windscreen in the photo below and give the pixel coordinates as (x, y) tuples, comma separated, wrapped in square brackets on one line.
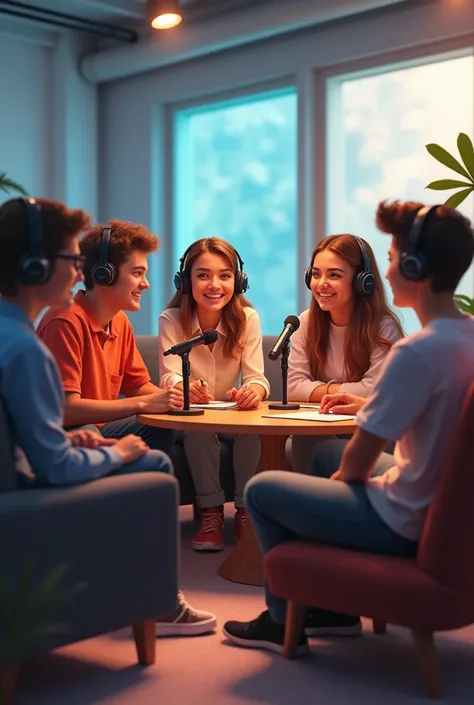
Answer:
[(209, 335), (292, 321)]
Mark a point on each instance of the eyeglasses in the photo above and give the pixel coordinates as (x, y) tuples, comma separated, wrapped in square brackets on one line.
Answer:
[(77, 260)]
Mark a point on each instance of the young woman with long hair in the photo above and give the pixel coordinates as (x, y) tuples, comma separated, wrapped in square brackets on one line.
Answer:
[(210, 294), (345, 334)]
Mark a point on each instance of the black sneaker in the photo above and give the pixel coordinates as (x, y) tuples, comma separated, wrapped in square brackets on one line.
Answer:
[(326, 623), (262, 633)]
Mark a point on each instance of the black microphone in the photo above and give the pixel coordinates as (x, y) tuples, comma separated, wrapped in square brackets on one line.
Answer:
[(207, 337), (292, 323)]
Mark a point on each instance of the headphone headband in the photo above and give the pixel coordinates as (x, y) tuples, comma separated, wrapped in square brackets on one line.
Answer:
[(104, 245), (412, 264), (34, 268), (104, 273)]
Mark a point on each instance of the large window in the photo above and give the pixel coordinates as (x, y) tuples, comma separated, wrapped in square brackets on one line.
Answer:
[(378, 128), (236, 178)]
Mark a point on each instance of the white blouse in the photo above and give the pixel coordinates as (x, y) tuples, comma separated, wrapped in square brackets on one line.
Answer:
[(220, 372)]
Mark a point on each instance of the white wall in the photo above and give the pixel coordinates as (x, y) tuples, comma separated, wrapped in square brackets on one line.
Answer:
[(134, 140), (25, 115), (48, 119)]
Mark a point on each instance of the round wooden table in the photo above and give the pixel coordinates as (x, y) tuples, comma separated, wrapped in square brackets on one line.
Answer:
[(244, 564)]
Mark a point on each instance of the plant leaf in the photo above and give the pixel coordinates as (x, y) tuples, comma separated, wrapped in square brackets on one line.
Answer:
[(441, 155), (457, 198), (10, 185), (466, 150), (445, 184), (464, 303)]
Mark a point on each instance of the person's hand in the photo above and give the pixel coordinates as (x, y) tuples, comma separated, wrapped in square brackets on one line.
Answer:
[(131, 448), (337, 476), (341, 403), (199, 393), (163, 401), (85, 438), (247, 397)]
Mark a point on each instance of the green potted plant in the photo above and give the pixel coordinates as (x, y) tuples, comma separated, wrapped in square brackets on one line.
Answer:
[(8, 185), (463, 189), (27, 616)]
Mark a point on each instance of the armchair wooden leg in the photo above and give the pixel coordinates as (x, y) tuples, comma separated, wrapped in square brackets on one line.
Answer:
[(8, 680), (379, 627), (145, 641), (295, 616), (428, 662)]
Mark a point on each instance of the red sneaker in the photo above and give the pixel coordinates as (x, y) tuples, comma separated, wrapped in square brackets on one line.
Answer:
[(240, 522), (210, 536)]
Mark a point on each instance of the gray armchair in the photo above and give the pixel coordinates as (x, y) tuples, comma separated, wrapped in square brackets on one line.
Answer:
[(119, 537)]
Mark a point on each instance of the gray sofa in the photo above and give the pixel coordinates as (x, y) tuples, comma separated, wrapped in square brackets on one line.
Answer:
[(148, 346), (119, 538)]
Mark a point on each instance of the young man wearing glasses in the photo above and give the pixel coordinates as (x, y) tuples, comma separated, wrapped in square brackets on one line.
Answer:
[(41, 263)]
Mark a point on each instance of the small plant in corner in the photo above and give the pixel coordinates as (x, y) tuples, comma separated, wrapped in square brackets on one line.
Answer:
[(8, 185), (464, 188), (28, 614)]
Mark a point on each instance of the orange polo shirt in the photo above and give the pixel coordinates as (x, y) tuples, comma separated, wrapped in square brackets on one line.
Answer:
[(93, 362)]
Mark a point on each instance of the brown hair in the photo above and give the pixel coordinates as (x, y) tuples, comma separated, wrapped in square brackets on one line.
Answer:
[(446, 240), (233, 314), (58, 224), (363, 331), (124, 239)]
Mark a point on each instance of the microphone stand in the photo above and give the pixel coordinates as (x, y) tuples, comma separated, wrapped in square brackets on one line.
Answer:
[(284, 375), (186, 411)]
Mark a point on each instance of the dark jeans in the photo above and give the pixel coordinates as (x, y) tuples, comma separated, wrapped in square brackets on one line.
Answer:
[(286, 506), (156, 438)]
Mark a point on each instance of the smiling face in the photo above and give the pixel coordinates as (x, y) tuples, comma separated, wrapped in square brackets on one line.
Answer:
[(331, 285), (212, 282), (67, 272), (131, 282)]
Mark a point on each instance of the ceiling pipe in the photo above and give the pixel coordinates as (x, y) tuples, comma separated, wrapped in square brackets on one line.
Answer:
[(191, 40), (66, 21)]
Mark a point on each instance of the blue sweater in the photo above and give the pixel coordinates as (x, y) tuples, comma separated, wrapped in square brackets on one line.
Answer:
[(30, 386)]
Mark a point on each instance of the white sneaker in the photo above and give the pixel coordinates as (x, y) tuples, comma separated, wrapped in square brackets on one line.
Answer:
[(185, 620)]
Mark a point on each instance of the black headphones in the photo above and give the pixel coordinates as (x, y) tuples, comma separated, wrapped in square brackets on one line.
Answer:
[(104, 273), (182, 280), (363, 282), (34, 268), (412, 264)]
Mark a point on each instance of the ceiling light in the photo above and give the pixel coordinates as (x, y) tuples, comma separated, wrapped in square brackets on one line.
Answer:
[(164, 14)]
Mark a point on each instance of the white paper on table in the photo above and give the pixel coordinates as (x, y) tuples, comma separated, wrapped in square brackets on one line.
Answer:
[(215, 405), (310, 416)]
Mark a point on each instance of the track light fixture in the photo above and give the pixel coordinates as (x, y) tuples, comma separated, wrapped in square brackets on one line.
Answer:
[(164, 14)]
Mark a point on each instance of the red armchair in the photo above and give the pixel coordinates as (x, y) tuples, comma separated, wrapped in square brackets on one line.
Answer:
[(429, 593)]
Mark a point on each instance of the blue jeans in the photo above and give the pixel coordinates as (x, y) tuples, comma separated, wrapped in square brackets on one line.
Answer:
[(160, 441), (156, 438), (286, 506)]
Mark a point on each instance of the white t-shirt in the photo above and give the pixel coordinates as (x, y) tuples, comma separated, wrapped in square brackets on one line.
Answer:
[(416, 402)]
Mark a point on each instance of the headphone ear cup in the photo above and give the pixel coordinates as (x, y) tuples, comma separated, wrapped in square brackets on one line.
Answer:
[(241, 283), (181, 282), (413, 267), (34, 271), (104, 274), (308, 275), (363, 283)]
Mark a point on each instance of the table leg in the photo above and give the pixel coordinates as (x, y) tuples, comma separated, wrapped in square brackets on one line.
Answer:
[(244, 564)]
